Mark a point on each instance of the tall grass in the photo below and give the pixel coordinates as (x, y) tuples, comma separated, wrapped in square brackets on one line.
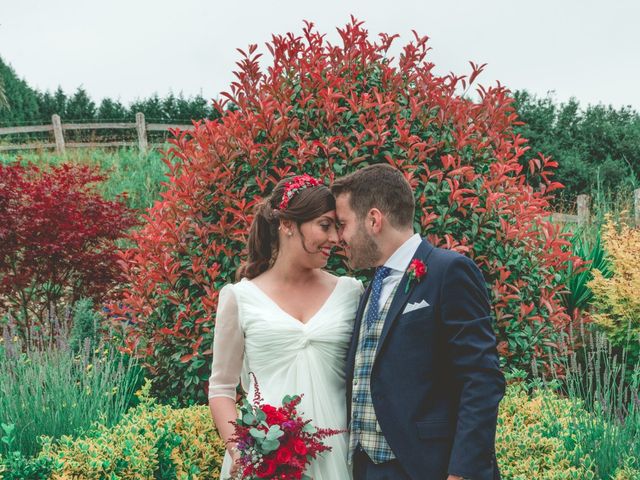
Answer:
[(596, 380), (138, 175), (54, 391)]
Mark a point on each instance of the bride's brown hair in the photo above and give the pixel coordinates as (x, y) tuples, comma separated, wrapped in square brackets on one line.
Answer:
[(263, 244)]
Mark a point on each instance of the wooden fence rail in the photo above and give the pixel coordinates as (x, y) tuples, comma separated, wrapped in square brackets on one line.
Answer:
[(58, 128), (584, 211), (583, 215)]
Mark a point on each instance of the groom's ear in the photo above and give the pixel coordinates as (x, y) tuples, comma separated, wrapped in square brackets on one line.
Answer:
[(373, 221)]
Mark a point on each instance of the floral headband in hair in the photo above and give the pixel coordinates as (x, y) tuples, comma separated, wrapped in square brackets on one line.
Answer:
[(293, 186)]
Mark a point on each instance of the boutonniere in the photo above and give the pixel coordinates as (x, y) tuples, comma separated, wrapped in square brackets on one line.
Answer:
[(416, 271)]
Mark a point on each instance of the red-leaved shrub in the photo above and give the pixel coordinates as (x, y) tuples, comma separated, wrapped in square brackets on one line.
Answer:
[(56, 239), (327, 110)]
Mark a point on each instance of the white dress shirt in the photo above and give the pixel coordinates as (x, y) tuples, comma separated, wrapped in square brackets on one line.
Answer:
[(398, 263)]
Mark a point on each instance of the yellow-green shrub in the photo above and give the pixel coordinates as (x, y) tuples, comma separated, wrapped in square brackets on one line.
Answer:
[(616, 302), (538, 437), (151, 442), (544, 436), (523, 446)]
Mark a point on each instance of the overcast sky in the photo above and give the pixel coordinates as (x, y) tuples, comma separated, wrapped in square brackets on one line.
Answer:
[(133, 48)]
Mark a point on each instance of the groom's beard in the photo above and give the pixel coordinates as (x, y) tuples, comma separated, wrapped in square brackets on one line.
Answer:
[(364, 251)]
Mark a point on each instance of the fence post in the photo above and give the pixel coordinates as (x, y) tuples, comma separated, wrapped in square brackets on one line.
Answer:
[(57, 133), (636, 206), (584, 215), (141, 127)]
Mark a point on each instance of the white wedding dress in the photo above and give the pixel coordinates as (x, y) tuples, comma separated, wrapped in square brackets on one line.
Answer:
[(288, 357)]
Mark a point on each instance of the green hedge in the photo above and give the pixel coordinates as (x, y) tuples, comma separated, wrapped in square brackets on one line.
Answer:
[(537, 439)]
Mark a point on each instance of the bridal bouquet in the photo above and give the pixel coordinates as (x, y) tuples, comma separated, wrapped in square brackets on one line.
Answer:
[(276, 442)]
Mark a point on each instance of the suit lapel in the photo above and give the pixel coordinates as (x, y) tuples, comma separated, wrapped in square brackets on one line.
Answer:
[(401, 297)]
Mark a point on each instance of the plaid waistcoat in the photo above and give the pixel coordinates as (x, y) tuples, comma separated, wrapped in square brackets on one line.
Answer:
[(364, 424)]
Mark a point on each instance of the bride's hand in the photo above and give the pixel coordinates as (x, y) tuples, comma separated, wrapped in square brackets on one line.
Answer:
[(235, 466)]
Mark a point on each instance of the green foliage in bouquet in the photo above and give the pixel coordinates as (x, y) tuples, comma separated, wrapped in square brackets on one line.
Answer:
[(275, 441)]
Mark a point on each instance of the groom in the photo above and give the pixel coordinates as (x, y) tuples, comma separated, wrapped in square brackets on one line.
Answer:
[(423, 376)]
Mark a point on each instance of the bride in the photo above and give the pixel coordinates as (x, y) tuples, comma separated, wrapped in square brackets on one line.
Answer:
[(288, 321)]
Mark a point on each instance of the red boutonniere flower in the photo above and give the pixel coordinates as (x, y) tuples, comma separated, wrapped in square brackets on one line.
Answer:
[(417, 269)]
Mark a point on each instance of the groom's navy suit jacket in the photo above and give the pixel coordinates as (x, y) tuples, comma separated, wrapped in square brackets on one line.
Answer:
[(436, 381)]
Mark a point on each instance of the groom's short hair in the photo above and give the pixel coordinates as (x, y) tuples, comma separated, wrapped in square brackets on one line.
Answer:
[(378, 186)]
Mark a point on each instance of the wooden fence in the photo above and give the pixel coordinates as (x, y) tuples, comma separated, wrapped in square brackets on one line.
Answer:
[(58, 128), (584, 212)]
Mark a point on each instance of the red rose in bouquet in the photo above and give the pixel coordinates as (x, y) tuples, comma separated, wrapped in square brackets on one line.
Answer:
[(274, 416), (283, 455), (266, 469), (276, 442), (300, 447)]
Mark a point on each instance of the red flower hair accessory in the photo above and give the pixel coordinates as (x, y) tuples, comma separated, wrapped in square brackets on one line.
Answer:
[(292, 187), (417, 269)]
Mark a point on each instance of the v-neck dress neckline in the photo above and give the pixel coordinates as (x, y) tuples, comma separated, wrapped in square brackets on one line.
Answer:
[(297, 320)]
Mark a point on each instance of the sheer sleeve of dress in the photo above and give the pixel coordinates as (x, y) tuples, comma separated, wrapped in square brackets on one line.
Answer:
[(228, 347)]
